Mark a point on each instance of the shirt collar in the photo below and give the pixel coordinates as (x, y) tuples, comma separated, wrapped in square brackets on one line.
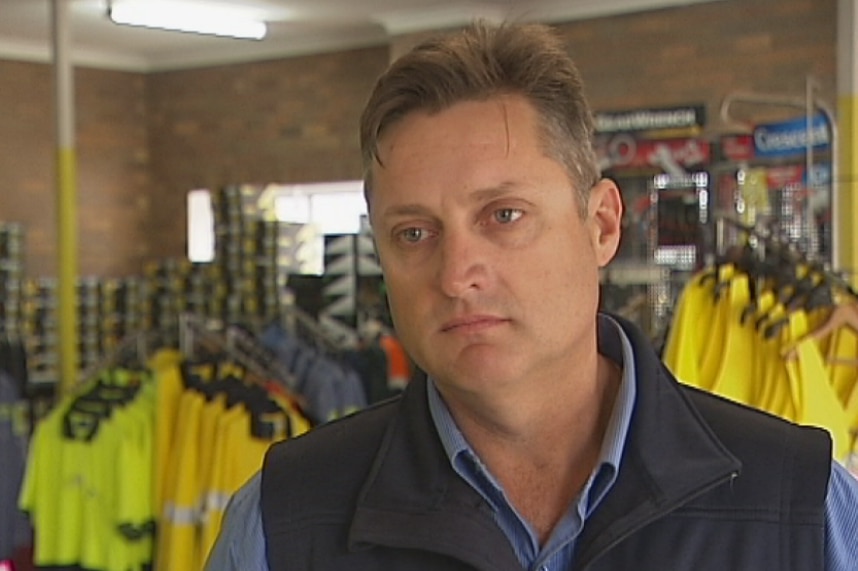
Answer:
[(613, 344)]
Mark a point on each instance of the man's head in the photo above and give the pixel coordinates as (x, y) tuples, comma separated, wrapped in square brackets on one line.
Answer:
[(488, 217), (481, 62)]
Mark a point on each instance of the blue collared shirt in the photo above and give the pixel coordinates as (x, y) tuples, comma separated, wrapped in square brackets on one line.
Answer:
[(241, 545), (558, 550)]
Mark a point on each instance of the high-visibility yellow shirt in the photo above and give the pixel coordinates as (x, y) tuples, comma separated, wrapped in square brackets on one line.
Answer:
[(684, 347), (209, 465), (80, 491), (53, 492), (758, 366), (842, 364), (177, 537), (734, 380), (776, 395), (242, 456), (169, 387), (217, 493), (818, 404), (135, 507), (713, 350)]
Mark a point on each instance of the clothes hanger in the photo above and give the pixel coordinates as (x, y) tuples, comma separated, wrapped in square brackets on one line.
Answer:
[(843, 362), (765, 273), (94, 404), (242, 365), (843, 315)]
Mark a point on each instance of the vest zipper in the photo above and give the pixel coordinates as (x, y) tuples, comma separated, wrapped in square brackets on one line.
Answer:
[(667, 508)]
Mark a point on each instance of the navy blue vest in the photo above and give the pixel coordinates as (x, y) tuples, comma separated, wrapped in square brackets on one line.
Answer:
[(704, 485)]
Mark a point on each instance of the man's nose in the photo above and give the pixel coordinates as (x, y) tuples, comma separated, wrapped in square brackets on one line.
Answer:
[(461, 264)]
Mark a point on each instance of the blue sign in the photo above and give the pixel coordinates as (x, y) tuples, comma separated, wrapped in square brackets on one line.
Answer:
[(820, 176), (790, 138)]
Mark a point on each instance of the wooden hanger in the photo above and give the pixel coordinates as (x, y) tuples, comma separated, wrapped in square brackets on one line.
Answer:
[(843, 315)]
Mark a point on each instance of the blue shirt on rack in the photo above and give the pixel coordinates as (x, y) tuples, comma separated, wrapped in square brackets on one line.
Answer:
[(241, 546)]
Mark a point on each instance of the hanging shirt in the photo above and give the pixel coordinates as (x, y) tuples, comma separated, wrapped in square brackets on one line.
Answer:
[(88, 484), (713, 351), (842, 366), (734, 380), (168, 381), (818, 404), (686, 341), (398, 365), (14, 529), (177, 537)]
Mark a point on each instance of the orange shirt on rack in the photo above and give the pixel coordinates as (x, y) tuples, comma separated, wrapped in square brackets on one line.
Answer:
[(398, 366)]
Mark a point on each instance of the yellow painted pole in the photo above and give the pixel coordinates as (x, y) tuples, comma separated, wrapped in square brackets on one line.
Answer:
[(66, 162), (846, 185)]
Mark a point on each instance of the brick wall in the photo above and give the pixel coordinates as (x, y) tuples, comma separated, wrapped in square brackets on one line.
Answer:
[(145, 140), (113, 185), (291, 120), (116, 197), (27, 158), (703, 52)]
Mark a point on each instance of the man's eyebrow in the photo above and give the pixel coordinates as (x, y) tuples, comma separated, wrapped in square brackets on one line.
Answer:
[(404, 210), (492, 192), (477, 196)]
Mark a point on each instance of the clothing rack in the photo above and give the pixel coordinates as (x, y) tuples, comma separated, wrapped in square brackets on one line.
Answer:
[(299, 322), (741, 330), (196, 333), (133, 350), (766, 243), (248, 349)]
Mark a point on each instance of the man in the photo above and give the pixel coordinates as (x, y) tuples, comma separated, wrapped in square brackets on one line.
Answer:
[(548, 436)]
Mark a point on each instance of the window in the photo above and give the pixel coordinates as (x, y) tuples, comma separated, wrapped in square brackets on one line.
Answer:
[(201, 245), (325, 208)]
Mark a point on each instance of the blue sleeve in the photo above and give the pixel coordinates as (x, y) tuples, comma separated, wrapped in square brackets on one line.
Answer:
[(841, 521), (353, 395), (240, 546)]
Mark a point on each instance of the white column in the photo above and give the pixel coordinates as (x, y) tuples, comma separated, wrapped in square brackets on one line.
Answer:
[(66, 184)]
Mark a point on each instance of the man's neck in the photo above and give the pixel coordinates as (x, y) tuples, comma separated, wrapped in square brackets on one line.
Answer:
[(542, 446)]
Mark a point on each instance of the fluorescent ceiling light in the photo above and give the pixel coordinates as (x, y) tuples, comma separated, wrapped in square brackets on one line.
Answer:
[(196, 18)]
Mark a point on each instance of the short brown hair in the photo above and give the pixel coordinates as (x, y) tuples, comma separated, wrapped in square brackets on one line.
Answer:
[(479, 62)]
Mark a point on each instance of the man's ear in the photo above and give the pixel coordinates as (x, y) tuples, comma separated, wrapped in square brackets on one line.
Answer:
[(604, 219)]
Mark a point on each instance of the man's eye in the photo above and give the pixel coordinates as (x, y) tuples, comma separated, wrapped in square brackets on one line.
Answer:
[(507, 215), (412, 235)]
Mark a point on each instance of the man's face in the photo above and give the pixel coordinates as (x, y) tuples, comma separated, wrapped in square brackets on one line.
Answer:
[(491, 271)]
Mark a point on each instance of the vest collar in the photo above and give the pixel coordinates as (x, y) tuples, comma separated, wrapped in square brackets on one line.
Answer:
[(413, 499), (671, 456)]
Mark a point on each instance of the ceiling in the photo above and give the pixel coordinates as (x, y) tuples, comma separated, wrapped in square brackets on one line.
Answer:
[(295, 27)]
